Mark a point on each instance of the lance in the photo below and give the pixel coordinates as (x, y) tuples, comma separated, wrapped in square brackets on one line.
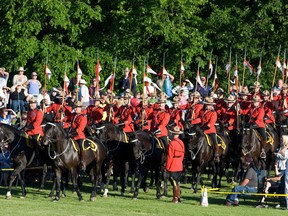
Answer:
[(260, 65), (215, 75), (97, 74), (114, 73), (112, 89), (131, 75), (143, 96), (237, 106), (284, 67), (66, 66), (244, 62), (230, 58), (45, 77), (77, 81), (274, 77), (208, 68), (180, 69), (197, 75), (163, 65)]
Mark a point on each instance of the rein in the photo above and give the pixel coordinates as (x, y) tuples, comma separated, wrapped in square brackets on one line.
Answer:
[(193, 156), (49, 146)]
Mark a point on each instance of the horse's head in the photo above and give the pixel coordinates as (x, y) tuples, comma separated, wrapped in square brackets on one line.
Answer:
[(247, 140), (136, 145), (100, 131), (50, 135), (194, 135), (7, 135)]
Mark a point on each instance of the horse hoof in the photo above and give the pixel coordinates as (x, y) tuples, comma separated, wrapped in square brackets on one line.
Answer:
[(81, 200), (134, 198), (8, 195), (122, 194), (93, 199), (146, 189), (105, 195), (63, 195)]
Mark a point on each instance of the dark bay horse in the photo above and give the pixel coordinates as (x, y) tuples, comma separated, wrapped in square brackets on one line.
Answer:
[(66, 157), (150, 155), (20, 154), (202, 154), (121, 148), (251, 146)]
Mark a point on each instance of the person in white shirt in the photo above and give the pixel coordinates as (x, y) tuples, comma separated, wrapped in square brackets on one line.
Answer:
[(43, 96), (83, 95), (19, 78)]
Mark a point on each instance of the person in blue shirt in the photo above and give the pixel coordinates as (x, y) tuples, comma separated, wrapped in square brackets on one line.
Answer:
[(6, 117)]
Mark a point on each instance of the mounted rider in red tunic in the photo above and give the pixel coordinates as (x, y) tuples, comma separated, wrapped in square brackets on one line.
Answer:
[(33, 126), (208, 121)]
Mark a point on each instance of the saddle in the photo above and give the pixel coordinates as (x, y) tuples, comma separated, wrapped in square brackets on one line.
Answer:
[(160, 144), (269, 136), (220, 141), (86, 145), (28, 142)]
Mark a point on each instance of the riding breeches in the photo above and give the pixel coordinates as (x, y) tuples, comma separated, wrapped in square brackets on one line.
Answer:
[(175, 178), (165, 141), (80, 141), (262, 132)]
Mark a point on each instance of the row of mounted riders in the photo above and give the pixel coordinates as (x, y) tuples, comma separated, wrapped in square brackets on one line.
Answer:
[(109, 147)]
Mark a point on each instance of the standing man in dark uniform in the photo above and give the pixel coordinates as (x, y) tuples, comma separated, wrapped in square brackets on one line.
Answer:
[(174, 164)]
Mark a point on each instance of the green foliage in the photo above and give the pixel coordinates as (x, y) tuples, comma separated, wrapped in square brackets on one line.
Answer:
[(86, 30)]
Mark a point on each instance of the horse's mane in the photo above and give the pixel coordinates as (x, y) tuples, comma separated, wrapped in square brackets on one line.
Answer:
[(11, 129)]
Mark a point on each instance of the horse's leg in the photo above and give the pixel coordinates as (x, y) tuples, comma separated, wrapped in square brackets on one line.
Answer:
[(74, 176), (140, 179), (44, 173), (22, 183), (94, 183), (158, 183), (133, 173), (106, 178), (53, 188), (16, 172), (122, 178), (165, 179), (65, 178), (58, 173), (127, 166)]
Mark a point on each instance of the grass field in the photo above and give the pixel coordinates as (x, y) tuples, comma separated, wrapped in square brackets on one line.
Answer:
[(38, 203)]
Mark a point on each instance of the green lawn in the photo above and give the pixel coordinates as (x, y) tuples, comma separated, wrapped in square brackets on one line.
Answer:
[(37, 203)]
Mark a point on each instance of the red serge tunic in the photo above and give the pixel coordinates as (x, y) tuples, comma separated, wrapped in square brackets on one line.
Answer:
[(230, 116), (35, 118), (126, 117), (79, 123), (175, 156), (160, 121), (209, 118), (268, 109), (257, 116)]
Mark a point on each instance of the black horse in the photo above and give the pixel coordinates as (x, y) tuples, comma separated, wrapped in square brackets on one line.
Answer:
[(121, 150), (66, 157), (21, 154), (251, 146), (202, 154), (150, 156)]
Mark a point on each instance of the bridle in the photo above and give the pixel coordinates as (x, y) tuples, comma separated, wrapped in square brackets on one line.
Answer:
[(50, 141)]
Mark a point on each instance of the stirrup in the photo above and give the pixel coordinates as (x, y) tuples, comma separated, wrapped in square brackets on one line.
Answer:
[(262, 155)]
